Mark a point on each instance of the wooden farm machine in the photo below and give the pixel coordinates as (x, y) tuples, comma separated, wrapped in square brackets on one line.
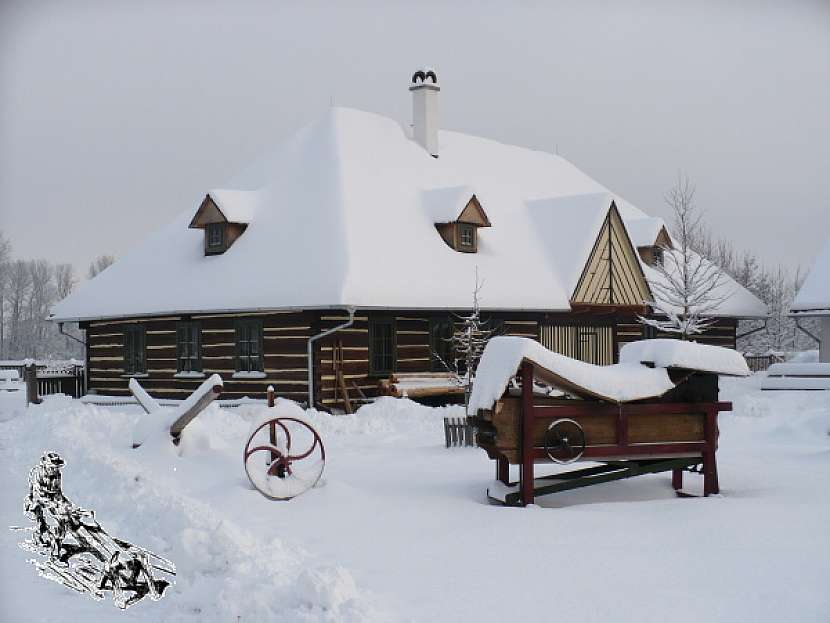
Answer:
[(639, 417)]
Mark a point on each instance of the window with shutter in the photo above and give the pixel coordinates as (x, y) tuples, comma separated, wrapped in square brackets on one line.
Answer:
[(249, 346), (188, 347), (134, 346), (381, 346)]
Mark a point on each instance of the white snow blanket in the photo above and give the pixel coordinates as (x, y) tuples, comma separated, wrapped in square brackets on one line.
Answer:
[(668, 353), (622, 382), (378, 542)]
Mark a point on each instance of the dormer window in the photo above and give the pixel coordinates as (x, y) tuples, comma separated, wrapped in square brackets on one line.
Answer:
[(467, 236), (215, 234), (458, 215), (223, 216)]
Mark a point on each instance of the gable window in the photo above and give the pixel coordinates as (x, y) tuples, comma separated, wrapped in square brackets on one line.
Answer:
[(188, 347), (135, 361), (440, 343), (215, 233), (249, 346), (381, 346)]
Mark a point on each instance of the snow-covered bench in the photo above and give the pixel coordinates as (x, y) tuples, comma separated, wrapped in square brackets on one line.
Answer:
[(797, 376)]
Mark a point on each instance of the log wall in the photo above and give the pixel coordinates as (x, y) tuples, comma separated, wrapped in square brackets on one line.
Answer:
[(285, 338), (285, 335)]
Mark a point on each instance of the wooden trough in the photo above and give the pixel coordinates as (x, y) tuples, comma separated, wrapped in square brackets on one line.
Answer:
[(677, 431)]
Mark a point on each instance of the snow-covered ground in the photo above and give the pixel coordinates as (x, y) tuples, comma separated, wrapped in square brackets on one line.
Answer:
[(399, 528)]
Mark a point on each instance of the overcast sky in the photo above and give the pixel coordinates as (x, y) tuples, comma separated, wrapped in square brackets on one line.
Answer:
[(114, 117)]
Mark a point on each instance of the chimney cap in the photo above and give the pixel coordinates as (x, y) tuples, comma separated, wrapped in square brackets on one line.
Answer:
[(422, 75)]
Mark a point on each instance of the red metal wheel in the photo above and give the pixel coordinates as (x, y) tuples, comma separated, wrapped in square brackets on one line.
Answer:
[(284, 457)]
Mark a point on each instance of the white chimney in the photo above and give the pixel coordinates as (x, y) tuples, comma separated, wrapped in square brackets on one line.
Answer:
[(425, 91)]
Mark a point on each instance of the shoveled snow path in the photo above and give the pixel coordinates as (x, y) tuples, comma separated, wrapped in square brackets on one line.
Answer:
[(408, 521)]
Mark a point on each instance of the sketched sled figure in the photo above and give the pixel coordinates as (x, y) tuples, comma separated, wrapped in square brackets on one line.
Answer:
[(79, 552)]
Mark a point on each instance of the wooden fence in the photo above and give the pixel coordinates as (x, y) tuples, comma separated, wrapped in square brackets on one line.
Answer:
[(61, 377), (457, 432)]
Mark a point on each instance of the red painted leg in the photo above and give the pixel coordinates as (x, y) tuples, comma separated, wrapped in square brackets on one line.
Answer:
[(503, 470), (527, 434), (677, 479)]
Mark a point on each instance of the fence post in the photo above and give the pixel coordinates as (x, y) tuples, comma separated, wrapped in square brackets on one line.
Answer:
[(30, 376)]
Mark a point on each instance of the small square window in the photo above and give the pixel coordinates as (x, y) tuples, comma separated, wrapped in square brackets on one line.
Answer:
[(657, 256), (215, 235), (467, 236)]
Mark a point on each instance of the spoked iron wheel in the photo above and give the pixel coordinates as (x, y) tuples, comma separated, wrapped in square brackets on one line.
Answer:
[(284, 457), (564, 441)]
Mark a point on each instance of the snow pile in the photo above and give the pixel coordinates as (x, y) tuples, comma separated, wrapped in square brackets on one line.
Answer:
[(404, 516), (190, 504), (503, 356), (157, 423), (667, 353)]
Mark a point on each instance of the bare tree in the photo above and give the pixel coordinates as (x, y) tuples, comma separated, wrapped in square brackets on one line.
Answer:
[(5, 259), (468, 342), (99, 264), (689, 287), (64, 280)]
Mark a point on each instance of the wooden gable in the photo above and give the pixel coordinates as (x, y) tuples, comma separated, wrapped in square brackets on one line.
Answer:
[(474, 214), (207, 213), (663, 239), (613, 275)]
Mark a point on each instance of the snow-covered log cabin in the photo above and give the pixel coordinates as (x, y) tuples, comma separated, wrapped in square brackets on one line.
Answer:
[(350, 246)]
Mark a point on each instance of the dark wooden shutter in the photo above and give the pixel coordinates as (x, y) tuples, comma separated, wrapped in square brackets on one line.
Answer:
[(196, 330), (181, 347), (141, 360), (240, 333)]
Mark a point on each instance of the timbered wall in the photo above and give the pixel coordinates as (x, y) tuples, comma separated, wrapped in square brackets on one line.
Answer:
[(285, 335), (412, 347), (722, 333), (285, 338)]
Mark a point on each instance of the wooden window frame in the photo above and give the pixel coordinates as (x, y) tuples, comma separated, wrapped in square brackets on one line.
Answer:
[(467, 228), (374, 325), (189, 350), (222, 245), (436, 347), (249, 355), (135, 350)]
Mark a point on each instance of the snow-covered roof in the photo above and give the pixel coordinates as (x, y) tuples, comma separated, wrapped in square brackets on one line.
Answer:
[(343, 214), (814, 295), (444, 205), (644, 231), (238, 206)]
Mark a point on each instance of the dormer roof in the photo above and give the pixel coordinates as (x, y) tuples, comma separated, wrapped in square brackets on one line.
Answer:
[(226, 206), (454, 204)]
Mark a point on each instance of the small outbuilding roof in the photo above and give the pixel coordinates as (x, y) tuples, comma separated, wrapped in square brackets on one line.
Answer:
[(814, 295)]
